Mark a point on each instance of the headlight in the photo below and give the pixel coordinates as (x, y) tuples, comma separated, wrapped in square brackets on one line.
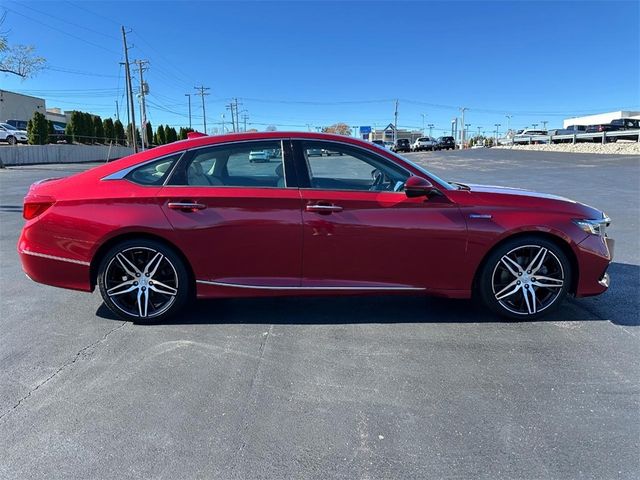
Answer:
[(594, 226)]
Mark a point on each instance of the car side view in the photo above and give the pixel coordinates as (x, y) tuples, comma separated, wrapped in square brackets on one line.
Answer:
[(211, 217)]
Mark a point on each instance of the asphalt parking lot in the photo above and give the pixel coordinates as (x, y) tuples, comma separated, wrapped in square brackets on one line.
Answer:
[(367, 388)]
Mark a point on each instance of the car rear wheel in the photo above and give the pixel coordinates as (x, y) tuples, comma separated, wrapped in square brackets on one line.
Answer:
[(143, 281), (525, 278)]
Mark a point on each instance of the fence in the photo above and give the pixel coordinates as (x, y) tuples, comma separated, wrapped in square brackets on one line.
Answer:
[(599, 137), (38, 154)]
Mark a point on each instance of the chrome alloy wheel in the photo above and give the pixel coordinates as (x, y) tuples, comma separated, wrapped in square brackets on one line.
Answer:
[(528, 279), (141, 282)]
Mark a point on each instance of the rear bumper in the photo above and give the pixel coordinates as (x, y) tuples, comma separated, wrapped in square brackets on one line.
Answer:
[(594, 257), (43, 266)]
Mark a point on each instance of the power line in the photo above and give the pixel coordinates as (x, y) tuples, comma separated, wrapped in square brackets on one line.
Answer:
[(81, 7), (61, 31), (78, 72), (27, 6)]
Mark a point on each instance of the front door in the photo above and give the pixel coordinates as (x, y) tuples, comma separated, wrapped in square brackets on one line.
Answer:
[(362, 231)]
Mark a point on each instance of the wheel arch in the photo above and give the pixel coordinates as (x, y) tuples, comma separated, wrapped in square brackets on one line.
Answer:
[(556, 239), (108, 244)]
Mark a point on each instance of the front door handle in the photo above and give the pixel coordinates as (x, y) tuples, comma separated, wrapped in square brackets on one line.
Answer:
[(186, 206), (325, 208)]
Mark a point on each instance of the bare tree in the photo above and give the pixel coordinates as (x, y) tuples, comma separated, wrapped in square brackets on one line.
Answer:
[(18, 60)]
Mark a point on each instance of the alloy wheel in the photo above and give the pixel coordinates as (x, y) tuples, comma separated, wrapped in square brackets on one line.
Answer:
[(141, 282), (528, 279)]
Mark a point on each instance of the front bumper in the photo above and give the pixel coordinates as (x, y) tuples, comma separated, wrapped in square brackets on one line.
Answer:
[(595, 254)]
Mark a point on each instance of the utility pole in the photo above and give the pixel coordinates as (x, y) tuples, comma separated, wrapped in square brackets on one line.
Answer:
[(132, 119), (117, 111), (230, 107), (423, 130), (189, 96), (223, 128), (467, 129), (245, 117), (395, 124), (237, 114), (508, 122), (202, 93), (143, 108), (431, 125), (462, 110)]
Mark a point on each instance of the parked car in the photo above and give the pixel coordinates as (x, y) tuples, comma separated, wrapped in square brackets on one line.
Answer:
[(401, 145), (259, 156), (446, 143), (58, 135), (615, 126), (200, 223), (626, 123), (11, 135), (599, 128), (570, 130), (19, 124), (524, 136), (328, 152), (424, 143)]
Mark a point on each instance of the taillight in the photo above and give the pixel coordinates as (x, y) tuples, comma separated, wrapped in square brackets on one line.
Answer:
[(33, 209)]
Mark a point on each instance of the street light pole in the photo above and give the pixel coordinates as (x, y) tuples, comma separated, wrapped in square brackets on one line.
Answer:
[(423, 115), (497, 131), (508, 122), (544, 124), (431, 125), (462, 109), (395, 124)]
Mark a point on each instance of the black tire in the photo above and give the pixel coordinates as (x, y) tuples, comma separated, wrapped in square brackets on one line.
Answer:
[(508, 288), (131, 271), (12, 140)]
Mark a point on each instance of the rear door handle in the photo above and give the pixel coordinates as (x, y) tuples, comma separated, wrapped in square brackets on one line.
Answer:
[(186, 206), (323, 208)]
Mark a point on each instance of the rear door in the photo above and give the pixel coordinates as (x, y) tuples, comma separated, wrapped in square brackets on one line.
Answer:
[(361, 231), (236, 211)]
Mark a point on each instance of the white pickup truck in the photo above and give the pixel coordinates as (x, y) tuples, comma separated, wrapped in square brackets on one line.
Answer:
[(11, 135)]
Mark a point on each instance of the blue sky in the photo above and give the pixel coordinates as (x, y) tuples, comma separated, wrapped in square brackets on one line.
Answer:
[(294, 64)]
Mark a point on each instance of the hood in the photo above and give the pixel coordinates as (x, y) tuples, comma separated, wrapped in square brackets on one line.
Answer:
[(522, 198), (515, 191)]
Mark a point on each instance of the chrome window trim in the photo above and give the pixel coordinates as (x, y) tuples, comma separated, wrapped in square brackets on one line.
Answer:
[(266, 287), (121, 174)]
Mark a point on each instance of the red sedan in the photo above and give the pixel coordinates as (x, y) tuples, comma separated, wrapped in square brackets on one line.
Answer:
[(201, 217)]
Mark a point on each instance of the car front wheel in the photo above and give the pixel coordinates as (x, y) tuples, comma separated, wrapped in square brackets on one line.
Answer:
[(143, 281), (525, 278)]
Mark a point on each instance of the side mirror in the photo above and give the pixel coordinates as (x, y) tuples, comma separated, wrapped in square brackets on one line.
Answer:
[(418, 187)]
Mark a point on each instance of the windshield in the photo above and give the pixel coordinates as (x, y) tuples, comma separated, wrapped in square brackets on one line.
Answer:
[(435, 178), (8, 127)]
